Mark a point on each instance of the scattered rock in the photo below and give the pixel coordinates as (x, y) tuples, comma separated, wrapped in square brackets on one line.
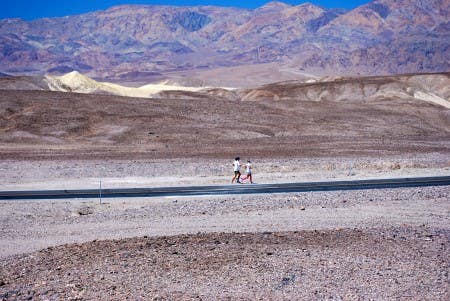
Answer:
[(395, 166), (86, 210), (287, 280)]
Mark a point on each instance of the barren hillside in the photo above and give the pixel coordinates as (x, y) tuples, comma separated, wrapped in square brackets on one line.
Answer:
[(433, 88), (372, 116)]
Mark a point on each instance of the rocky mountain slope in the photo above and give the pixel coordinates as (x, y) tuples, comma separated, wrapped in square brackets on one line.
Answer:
[(132, 42)]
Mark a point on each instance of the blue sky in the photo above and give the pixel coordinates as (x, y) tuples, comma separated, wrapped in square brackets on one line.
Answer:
[(33, 9)]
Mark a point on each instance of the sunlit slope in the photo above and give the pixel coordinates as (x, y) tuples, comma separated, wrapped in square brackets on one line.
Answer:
[(79, 83)]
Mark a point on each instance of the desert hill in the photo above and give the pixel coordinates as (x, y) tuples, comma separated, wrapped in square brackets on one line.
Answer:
[(140, 42), (432, 88), (76, 82), (339, 117)]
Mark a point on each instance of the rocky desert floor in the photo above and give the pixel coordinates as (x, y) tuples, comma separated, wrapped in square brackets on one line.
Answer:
[(379, 245), (390, 244)]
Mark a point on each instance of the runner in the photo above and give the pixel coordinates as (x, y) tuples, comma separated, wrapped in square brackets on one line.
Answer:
[(248, 171), (237, 173)]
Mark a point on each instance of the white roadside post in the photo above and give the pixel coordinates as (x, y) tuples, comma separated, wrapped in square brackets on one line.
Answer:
[(100, 191)]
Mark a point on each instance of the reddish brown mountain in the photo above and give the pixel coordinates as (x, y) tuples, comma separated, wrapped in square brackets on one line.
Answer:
[(381, 37)]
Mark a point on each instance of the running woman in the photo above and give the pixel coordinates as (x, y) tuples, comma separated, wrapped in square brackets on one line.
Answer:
[(237, 173), (248, 171)]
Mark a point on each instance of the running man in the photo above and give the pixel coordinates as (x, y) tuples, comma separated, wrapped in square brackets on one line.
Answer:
[(237, 173), (248, 171)]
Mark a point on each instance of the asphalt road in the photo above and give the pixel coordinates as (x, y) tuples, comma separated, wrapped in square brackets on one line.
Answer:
[(226, 189)]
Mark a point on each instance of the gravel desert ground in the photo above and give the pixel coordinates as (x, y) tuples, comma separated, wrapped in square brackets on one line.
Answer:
[(381, 244)]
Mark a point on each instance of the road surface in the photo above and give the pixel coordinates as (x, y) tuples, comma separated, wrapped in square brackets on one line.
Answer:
[(226, 189)]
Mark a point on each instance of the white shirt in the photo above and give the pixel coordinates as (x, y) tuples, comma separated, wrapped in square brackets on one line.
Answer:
[(237, 165), (249, 167)]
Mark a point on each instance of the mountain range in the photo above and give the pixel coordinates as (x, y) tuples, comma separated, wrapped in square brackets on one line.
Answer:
[(144, 41)]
